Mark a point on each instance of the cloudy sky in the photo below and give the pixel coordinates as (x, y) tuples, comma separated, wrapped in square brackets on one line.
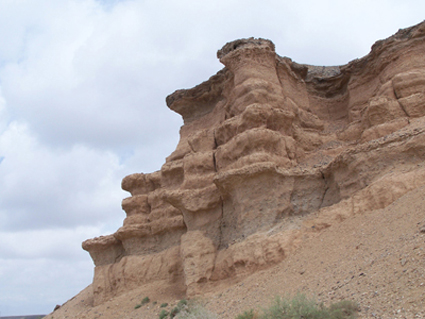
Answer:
[(82, 104)]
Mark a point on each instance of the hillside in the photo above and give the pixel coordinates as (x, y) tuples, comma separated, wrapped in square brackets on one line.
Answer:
[(376, 258)]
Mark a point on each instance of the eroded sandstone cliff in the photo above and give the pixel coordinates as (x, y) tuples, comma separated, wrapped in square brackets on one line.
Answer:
[(265, 140)]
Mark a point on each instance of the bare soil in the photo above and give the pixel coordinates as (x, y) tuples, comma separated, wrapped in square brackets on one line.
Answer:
[(376, 258)]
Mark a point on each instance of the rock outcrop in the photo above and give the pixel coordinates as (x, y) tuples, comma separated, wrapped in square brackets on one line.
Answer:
[(266, 140)]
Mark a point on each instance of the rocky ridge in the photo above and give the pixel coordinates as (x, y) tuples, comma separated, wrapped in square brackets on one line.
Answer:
[(267, 142)]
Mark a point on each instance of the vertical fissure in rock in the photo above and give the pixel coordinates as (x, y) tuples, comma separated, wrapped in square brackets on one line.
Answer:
[(221, 199), (215, 161), (220, 241), (326, 189)]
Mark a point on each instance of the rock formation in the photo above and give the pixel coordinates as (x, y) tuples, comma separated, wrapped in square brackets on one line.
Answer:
[(263, 141)]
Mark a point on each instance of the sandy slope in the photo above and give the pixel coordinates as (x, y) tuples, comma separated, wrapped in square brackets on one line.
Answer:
[(376, 258)]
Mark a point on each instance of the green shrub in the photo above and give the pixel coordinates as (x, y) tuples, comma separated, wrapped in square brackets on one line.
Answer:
[(344, 309), (163, 314), (299, 307), (163, 305), (302, 307), (174, 312), (145, 300), (193, 310), (247, 315), (182, 303)]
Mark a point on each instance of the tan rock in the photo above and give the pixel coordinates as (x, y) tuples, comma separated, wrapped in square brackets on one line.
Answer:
[(414, 105), (409, 83), (132, 271), (253, 146), (199, 169), (104, 250), (256, 252), (267, 141), (382, 110), (383, 129), (198, 253), (137, 204), (202, 141), (137, 184)]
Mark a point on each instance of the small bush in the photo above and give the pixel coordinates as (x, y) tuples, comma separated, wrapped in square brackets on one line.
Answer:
[(247, 315), (344, 309), (163, 314), (163, 305), (145, 300), (174, 312), (194, 310), (302, 307), (182, 303), (137, 306)]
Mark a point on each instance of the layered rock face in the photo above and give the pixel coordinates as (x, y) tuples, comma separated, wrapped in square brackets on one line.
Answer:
[(265, 140)]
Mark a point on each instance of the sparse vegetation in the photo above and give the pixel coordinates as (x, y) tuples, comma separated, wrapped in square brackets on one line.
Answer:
[(247, 315), (163, 305), (182, 303), (302, 307), (344, 309), (193, 310), (298, 307), (187, 310), (143, 302), (163, 314), (174, 312)]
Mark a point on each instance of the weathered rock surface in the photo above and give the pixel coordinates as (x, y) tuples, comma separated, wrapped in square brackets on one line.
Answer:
[(263, 140)]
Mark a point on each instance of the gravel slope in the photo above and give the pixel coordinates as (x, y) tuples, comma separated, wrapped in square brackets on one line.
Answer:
[(376, 258)]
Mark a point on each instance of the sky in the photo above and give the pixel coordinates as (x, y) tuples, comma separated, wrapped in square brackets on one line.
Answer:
[(82, 104)]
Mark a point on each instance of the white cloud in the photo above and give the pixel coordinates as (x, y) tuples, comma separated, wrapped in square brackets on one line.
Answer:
[(43, 187), (57, 244), (35, 286), (88, 79), (4, 116)]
